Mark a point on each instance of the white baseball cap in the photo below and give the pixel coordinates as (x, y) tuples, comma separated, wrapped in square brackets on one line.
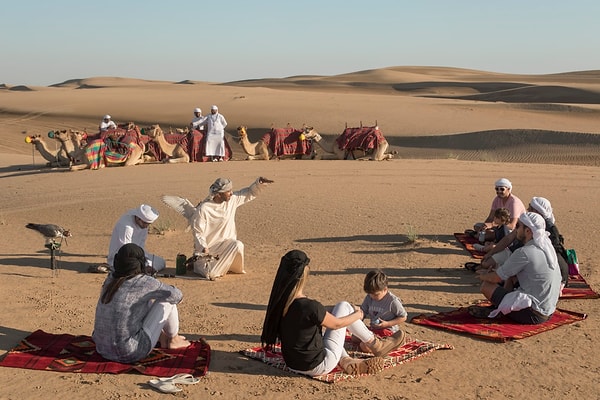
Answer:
[(197, 110)]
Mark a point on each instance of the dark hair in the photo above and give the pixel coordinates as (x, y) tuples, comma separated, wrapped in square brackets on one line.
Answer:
[(129, 261), (375, 281), (503, 214)]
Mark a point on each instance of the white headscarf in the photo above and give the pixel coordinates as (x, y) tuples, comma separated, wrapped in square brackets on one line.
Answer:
[(544, 207), (537, 224), (503, 182)]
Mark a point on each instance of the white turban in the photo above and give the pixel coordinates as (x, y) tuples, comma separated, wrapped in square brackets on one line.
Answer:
[(221, 185), (544, 207), (214, 107), (146, 213), (503, 183), (536, 223), (197, 110), (106, 116)]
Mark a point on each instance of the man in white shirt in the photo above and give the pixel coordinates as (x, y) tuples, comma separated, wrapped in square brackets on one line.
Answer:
[(107, 123)]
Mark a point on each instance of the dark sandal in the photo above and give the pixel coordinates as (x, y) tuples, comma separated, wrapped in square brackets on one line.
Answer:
[(472, 266), (480, 311)]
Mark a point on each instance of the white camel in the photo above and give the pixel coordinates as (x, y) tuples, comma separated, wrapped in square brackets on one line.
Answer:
[(336, 153), (261, 151), (175, 152)]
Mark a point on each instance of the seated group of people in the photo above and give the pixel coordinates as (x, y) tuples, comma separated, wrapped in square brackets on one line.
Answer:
[(525, 265)]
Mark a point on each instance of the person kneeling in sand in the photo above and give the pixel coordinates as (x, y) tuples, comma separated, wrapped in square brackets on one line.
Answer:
[(297, 322), (135, 311)]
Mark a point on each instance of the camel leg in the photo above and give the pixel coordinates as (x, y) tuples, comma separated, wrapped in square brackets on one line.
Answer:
[(136, 156)]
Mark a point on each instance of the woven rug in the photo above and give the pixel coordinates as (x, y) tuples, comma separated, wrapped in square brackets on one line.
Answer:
[(468, 242), (69, 353), (500, 328), (578, 288), (411, 350)]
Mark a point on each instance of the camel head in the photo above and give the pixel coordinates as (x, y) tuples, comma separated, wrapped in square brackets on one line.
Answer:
[(33, 139), (311, 133), (61, 135), (242, 130), (153, 131)]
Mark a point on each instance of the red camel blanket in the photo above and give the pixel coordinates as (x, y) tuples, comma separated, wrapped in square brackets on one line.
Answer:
[(411, 350), (363, 138), (69, 353), (287, 142), (192, 141), (500, 328)]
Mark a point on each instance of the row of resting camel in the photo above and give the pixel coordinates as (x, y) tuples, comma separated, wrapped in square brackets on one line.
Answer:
[(74, 148)]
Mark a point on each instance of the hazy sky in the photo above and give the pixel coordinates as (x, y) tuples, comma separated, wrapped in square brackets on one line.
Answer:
[(47, 42)]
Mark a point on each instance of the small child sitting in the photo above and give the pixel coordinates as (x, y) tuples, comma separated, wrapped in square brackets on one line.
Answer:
[(497, 232), (383, 308)]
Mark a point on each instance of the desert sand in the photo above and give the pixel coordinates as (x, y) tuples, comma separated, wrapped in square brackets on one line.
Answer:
[(456, 131)]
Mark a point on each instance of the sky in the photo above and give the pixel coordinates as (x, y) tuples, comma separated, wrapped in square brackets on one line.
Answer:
[(48, 42)]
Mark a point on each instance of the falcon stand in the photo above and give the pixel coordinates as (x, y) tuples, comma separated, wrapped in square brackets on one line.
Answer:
[(52, 246)]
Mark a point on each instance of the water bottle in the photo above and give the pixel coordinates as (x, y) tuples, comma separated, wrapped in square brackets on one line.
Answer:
[(180, 268)]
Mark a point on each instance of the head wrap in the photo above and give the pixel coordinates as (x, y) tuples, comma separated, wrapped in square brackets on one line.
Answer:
[(107, 116), (130, 260), (197, 110), (544, 207), (503, 182), (146, 213), (213, 107), (536, 223), (291, 269), (221, 185)]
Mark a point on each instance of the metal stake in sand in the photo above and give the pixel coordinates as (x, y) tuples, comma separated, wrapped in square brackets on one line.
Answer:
[(52, 246)]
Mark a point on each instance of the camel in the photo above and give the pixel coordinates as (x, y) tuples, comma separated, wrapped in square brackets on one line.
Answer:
[(176, 152), (58, 159), (73, 144), (378, 153), (261, 151)]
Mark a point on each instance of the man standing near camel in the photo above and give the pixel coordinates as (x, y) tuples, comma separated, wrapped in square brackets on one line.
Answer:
[(215, 135), (214, 228)]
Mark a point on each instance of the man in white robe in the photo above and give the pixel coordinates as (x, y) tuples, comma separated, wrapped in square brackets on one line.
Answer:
[(107, 123), (214, 229), (215, 135), (198, 120)]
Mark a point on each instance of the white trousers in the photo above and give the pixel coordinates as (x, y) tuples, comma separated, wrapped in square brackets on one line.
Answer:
[(333, 340), (231, 259), (162, 316), (156, 262)]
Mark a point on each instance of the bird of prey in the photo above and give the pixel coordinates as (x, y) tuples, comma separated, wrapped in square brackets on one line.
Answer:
[(50, 231), (183, 207)]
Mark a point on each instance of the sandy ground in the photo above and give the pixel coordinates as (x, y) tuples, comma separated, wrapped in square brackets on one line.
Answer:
[(456, 132)]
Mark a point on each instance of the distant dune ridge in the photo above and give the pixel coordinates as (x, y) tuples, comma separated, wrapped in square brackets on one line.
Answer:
[(425, 112)]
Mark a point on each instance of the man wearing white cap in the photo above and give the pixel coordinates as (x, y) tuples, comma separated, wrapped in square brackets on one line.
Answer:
[(107, 123), (214, 228), (198, 120), (215, 135), (535, 267), (504, 199), (132, 227)]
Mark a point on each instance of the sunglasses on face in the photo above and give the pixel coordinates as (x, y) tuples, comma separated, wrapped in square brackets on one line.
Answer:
[(500, 189)]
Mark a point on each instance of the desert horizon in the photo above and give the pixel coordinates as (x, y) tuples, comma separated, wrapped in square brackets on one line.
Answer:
[(455, 131)]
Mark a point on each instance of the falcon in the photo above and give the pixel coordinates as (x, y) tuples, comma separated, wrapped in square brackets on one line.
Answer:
[(183, 207), (50, 231)]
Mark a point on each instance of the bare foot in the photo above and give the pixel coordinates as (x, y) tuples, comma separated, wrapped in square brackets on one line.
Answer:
[(178, 342)]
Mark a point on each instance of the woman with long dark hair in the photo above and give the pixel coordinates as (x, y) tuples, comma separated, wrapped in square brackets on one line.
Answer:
[(297, 322), (135, 311)]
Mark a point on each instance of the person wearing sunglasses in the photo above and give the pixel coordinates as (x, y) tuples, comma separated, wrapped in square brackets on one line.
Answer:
[(504, 199)]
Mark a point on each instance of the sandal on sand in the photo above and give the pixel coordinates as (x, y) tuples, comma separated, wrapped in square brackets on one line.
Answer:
[(164, 386), (98, 269), (183, 379), (472, 266), (361, 366)]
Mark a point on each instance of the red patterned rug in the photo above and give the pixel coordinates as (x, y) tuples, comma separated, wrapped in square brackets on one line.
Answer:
[(500, 328), (69, 353), (578, 288), (411, 350), (468, 242)]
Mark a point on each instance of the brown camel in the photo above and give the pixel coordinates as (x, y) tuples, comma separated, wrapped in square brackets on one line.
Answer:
[(261, 151), (335, 153), (55, 159), (175, 152)]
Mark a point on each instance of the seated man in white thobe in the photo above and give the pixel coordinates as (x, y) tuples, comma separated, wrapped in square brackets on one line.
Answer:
[(214, 229), (198, 120), (107, 123)]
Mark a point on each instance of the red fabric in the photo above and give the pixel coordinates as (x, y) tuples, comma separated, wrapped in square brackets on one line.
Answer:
[(500, 328), (363, 138), (286, 142), (193, 142), (578, 288), (69, 353), (411, 350), (468, 242)]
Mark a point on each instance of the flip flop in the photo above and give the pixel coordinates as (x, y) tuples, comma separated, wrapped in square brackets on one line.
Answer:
[(164, 386), (472, 266), (184, 379)]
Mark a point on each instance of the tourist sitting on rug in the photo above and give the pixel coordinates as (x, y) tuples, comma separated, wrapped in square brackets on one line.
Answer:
[(534, 268), (504, 199), (135, 311), (497, 232), (500, 253), (383, 308), (297, 322)]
